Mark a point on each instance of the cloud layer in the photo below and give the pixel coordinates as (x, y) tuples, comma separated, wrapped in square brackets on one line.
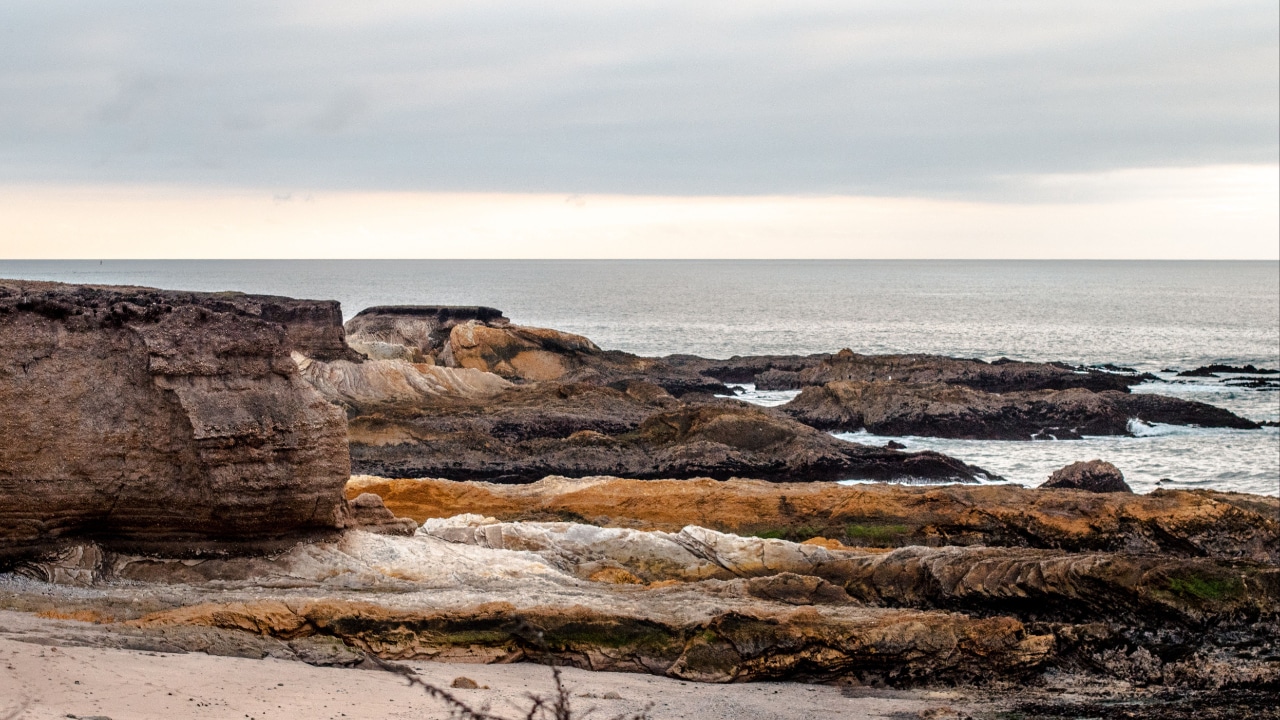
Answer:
[(950, 100)]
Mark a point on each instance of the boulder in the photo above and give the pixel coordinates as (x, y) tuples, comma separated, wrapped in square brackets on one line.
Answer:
[(368, 513), (1094, 476), (158, 418)]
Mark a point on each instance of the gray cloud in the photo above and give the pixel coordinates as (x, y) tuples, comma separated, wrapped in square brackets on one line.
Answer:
[(929, 98)]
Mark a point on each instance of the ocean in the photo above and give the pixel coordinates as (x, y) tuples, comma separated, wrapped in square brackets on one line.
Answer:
[(1154, 316)]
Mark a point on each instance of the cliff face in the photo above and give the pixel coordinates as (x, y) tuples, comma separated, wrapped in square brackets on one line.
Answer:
[(148, 417)]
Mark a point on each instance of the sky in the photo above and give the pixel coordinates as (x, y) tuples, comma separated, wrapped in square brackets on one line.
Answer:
[(326, 128)]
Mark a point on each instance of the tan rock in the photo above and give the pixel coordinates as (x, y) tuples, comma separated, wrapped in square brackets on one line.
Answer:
[(516, 352)]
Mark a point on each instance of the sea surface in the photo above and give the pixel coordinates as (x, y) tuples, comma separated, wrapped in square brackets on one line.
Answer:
[(1158, 317)]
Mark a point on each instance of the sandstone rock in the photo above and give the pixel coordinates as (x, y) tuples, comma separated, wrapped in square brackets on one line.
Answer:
[(378, 385), (955, 411), (368, 513), (1095, 476), (524, 353), (1178, 523), (416, 333), (149, 417)]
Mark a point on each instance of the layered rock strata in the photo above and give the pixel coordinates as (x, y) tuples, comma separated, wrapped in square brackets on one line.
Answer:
[(956, 411), (1176, 523), (159, 418), (708, 606)]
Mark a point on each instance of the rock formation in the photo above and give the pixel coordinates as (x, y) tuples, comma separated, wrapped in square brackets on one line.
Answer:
[(529, 432), (1093, 476), (1000, 376), (417, 333), (155, 418), (1176, 523), (942, 409)]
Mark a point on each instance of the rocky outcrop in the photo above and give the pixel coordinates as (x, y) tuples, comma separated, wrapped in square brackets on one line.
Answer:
[(512, 351), (530, 432), (397, 385), (416, 333), (368, 513), (954, 411), (708, 606), (1093, 476), (1175, 523), (1001, 376), (153, 418)]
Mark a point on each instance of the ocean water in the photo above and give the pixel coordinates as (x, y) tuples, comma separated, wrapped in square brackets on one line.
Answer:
[(1147, 315)]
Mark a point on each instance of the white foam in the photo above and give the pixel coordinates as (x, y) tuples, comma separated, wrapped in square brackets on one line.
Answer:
[(766, 398)]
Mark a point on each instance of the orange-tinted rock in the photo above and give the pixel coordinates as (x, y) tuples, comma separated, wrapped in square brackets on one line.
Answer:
[(1179, 522)]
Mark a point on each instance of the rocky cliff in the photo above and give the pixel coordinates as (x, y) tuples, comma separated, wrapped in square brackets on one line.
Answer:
[(153, 418)]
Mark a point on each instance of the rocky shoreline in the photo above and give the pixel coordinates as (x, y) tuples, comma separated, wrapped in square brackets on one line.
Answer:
[(176, 469)]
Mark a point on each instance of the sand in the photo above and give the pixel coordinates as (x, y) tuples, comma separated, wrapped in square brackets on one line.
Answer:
[(46, 673)]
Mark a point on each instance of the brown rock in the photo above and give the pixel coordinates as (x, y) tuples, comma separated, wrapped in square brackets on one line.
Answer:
[(150, 417), (369, 514), (1095, 476), (462, 682)]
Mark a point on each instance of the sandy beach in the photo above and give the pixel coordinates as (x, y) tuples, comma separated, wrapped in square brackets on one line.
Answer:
[(47, 671)]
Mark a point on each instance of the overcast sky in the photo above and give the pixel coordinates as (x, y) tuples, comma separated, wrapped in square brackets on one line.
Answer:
[(974, 104)]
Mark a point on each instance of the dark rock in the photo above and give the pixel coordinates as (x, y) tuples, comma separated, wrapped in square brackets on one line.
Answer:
[(1000, 376), (1095, 476), (956, 411), (1212, 370), (151, 417), (895, 445), (578, 430)]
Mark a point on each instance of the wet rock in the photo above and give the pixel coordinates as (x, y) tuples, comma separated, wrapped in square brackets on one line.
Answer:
[(1000, 376), (1094, 476), (155, 417), (1213, 370), (955, 411)]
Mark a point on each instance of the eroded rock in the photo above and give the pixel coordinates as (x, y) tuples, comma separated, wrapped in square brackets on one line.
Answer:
[(154, 417)]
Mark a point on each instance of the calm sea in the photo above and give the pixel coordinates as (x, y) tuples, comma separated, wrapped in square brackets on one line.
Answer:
[(1147, 315)]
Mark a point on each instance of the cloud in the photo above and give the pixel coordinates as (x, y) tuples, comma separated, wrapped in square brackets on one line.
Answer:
[(951, 100)]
